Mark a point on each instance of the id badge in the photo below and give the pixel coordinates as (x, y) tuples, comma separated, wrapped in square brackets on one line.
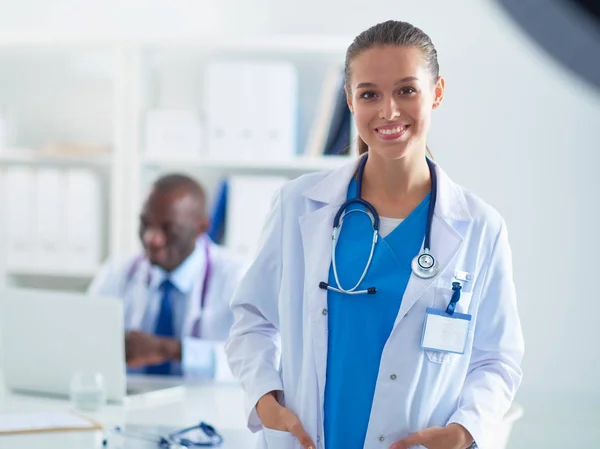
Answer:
[(445, 333)]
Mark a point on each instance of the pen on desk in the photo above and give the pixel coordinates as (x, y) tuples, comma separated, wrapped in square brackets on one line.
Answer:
[(159, 440)]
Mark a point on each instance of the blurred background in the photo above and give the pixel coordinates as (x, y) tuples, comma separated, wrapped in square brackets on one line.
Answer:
[(97, 99)]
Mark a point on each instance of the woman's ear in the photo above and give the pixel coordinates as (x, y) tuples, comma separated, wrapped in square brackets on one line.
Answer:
[(349, 99), (438, 92)]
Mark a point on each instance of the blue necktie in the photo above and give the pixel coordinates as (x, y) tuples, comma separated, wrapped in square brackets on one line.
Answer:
[(164, 325)]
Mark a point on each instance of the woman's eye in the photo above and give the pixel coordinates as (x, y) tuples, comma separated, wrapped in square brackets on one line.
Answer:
[(407, 91), (367, 95)]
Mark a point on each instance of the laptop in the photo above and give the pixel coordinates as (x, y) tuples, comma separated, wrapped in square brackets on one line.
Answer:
[(47, 336)]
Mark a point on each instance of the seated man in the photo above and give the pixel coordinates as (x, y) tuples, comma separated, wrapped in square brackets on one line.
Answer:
[(176, 294)]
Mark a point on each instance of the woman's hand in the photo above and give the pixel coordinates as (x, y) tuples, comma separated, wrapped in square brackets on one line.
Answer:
[(453, 436), (274, 416)]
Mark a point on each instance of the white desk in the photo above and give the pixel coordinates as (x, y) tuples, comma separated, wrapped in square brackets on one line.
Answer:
[(220, 405)]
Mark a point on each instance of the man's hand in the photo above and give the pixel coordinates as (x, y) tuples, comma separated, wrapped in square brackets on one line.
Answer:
[(274, 416), (453, 436), (143, 349)]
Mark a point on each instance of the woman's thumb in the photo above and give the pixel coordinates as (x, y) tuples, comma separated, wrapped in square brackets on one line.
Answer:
[(298, 431)]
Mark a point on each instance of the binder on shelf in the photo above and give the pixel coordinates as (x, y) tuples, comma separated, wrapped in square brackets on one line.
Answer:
[(279, 125), (248, 205), (173, 133), (49, 211), (53, 220), (223, 119), (218, 215), (319, 131), (333, 129), (82, 214), (338, 136), (256, 120), (19, 197)]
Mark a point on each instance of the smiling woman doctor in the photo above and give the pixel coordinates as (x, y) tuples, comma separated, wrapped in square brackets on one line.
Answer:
[(403, 329)]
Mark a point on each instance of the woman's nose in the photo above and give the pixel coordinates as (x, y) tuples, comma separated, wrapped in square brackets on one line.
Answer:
[(390, 110)]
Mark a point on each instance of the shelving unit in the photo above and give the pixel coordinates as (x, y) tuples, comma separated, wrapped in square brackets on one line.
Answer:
[(16, 157), (299, 164), (109, 84), (84, 274), (311, 45)]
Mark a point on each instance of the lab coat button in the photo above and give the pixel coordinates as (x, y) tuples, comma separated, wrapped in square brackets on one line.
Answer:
[(393, 377), (381, 438), (318, 439), (324, 312)]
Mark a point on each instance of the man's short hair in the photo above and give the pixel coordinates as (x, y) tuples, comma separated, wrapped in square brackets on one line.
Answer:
[(179, 182)]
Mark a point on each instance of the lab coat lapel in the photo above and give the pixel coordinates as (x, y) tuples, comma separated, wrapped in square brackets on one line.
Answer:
[(445, 243), (316, 227), (451, 211)]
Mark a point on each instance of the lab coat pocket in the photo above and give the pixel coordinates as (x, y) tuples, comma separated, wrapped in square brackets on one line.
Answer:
[(443, 296), (441, 358), (277, 439)]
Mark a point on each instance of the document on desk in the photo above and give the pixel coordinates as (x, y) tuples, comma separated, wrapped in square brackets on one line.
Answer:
[(11, 423)]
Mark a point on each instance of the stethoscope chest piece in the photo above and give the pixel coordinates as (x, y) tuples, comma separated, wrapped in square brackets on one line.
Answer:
[(425, 266)]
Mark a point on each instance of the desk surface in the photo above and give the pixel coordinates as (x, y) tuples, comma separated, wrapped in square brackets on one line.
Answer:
[(220, 405)]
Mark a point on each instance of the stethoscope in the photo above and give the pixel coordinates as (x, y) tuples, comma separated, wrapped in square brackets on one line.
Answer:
[(175, 440), (424, 265)]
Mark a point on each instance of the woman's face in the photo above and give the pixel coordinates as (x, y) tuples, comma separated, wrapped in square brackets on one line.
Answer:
[(391, 94)]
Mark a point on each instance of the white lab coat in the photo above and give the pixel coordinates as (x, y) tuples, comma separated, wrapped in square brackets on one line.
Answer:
[(117, 280), (280, 315)]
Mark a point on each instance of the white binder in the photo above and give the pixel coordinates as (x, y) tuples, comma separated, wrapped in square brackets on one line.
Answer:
[(224, 117), (49, 224), (173, 133), (248, 204), (83, 236), (19, 196), (252, 110)]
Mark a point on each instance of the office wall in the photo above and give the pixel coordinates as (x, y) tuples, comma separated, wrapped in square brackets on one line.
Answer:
[(516, 128)]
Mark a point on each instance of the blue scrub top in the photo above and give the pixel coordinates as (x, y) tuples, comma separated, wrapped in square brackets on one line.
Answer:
[(359, 325)]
